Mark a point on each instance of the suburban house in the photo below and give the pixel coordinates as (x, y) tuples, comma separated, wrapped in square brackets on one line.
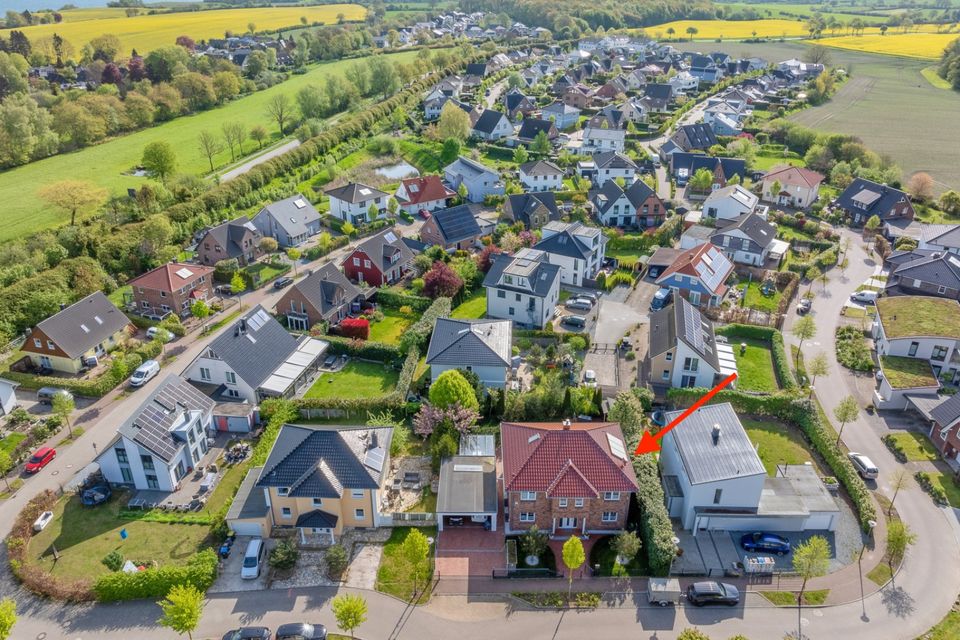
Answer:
[(163, 440), (704, 69), (237, 239), (492, 125), (610, 165), (567, 478), (290, 221), (530, 128), (481, 181), (468, 494), (563, 115), (76, 336), (578, 95), (596, 140), (322, 480), (683, 351), (749, 239), (685, 165), (351, 202), (255, 358), (689, 137), (424, 193), (380, 260), (524, 287), (943, 237), (326, 295), (636, 206), (541, 175), (923, 272), (729, 203), (481, 346), (171, 288), (699, 275), (864, 199), (917, 346), (579, 250), (659, 96), (796, 187), (517, 103), (714, 480), (8, 396), (943, 414), (454, 228), (724, 125), (534, 210), (683, 82)]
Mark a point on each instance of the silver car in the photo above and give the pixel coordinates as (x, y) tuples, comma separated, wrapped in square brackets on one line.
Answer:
[(863, 465), (579, 304)]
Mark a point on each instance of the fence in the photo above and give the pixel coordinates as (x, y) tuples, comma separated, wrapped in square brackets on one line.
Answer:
[(407, 519), (522, 574)]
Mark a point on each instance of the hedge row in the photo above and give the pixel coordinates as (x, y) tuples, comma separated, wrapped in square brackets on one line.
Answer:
[(417, 336), (540, 334), (804, 414), (894, 445), (925, 480), (394, 300), (316, 251), (200, 571), (393, 400), (781, 365), (655, 526), (365, 349)]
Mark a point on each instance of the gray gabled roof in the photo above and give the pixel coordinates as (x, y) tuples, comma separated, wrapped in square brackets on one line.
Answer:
[(683, 321), (942, 235), (613, 160), (542, 274), (381, 247), (947, 412), (870, 197), (326, 289), (940, 268), (752, 226), (229, 235), (477, 343), (541, 168), (705, 459), (293, 214), (254, 346), (522, 205), (566, 244), (84, 324), (488, 121), (314, 461), (355, 193), (250, 501), (166, 407), (468, 168)]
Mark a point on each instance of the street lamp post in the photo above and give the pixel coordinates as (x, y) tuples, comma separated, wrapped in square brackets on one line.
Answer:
[(870, 525)]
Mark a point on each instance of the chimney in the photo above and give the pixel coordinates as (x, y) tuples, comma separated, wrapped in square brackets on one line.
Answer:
[(716, 434), (566, 424), (373, 441), (241, 328)]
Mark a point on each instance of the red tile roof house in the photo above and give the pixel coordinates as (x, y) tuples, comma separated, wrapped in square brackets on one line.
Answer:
[(380, 259), (171, 288), (424, 193), (567, 479)]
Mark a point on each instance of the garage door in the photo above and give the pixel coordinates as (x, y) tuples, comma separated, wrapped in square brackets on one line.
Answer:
[(820, 522), (246, 528)]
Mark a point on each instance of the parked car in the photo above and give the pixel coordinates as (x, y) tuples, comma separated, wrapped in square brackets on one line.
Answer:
[(40, 459), (159, 332), (301, 631), (224, 290), (866, 297), (579, 304), (661, 299), (45, 395), (765, 543), (589, 295), (863, 465), (144, 373), (248, 633), (711, 592), (804, 306), (590, 378), (252, 560), (575, 321), (424, 214), (280, 283)]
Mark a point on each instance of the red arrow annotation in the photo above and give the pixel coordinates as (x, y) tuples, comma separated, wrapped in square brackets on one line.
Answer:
[(651, 443)]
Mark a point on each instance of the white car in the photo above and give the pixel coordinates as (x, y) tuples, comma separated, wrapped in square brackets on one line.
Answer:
[(589, 378), (163, 334), (144, 373), (863, 465)]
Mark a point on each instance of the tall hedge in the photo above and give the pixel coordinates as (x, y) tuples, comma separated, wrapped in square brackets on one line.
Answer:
[(418, 335), (200, 571), (394, 300), (364, 349), (781, 365), (655, 526), (804, 414)]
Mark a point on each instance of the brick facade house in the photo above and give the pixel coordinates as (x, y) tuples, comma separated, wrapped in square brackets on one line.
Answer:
[(566, 478), (171, 288), (238, 239)]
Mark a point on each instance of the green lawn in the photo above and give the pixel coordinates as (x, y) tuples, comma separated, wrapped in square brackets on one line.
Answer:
[(755, 366), (755, 299), (777, 443), (423, 154), (8, 444), (264, 272), (473, 307), (391, 327), (930, 75), (356, 380), (880, 574), (116, 297), (84, 535), (765, 162), (949, 486), (105, 164), (228, 485), (907, 373), (394, 576), (915, 445), (788, 233), (948, 629), (604, 555), (427, 504), (789, 599)]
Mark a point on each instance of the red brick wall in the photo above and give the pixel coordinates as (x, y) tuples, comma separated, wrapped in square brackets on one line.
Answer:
[(546, 509), (173, 299)]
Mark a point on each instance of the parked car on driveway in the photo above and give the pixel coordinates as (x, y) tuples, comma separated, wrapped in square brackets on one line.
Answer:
[(804, 306), (765, 543), (661, 299), (589, 295), (866, 297), (710, 592), (589, 378), (159, 332), (45, 395), (301, 631), (282, 282), (574, 321), (143, 374), (863, 465), (579, 304), (248, 633), (40, 459), (252, 560)]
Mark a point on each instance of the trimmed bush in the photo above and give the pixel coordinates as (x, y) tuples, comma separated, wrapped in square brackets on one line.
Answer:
[(200, 571), (926, 483), (363, 349), (894, 445), (394, 300), (655, 524), (357, 328), (852, 349), (416, 336)]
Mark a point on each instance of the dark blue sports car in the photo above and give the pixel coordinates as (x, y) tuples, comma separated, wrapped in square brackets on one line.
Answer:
[(765, 543)]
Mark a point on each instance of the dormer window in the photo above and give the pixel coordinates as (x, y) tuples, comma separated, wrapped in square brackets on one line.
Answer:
[(283, 491)]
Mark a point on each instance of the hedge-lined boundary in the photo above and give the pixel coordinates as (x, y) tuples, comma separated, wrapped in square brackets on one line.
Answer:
[(781, 366), (200, 571), (655, 526), (394, 300), (804, 414), (418, 334), (925, 481), (540, 334), (396, 399), (364, 349)]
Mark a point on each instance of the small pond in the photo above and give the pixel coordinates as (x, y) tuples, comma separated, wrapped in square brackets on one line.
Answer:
[(397, 171)]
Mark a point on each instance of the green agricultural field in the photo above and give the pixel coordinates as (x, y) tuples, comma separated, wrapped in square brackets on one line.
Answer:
[(878, 104), (105, 164)]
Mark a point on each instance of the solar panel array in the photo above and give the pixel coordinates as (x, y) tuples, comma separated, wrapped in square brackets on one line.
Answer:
[(165, 410), (712, 268), (258, 319), (374, 458), (184, 273), (691, 327), (389, 236), (457, 223), (616, 446)]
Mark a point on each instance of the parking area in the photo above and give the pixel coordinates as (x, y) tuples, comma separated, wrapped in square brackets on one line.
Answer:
[(229, 580), (362, 570), (604, 364), (470, 551), (615, 318)]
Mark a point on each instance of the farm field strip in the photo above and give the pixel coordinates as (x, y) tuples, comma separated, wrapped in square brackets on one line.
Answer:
[(739, 29), (147, 32), (926, 46)]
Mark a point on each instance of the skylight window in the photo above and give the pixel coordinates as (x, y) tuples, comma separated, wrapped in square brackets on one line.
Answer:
[(299, 203), (85, 329), (184, 273), (616, 446)]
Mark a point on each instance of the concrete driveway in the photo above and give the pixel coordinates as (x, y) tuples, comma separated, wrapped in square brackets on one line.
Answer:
[(614, 319), (229, 579), (362, 571)]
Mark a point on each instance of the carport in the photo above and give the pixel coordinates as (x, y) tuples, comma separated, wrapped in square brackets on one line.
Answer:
[(249, 514), (468, 493)]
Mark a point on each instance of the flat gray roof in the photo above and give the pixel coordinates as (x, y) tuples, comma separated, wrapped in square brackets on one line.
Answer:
[(250, 501), (468, 485)]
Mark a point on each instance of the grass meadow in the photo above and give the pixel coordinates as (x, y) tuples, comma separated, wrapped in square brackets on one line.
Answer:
[(107, 163), (147, 32)]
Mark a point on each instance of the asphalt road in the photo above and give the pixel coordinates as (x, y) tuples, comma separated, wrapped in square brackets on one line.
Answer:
[(250, 164)]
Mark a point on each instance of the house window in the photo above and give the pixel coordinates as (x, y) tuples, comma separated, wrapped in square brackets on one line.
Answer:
[(286, 512), (913, 349), (691, 364), (37, 343), (122, 455), (282, 491), (578, 502), (233, 393), (611, 495), (717, 495), (366, 264), (356, 262), (356, 494), (517, 297), (204, 373), (562, 502), (163, 294), (147, 462), (665, 375), (694, 298), (511, 311), (669, 356), (231, 377), (126, 474), (527, 516), (152, 482), (939, 353), (609, 516), (51, 346), (528, 496), (501, 293), (359, 514), (317, 502), (941, 289)]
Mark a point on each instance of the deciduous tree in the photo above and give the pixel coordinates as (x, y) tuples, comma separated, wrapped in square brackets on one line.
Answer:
[(441, 281), (280, 109), (182, 609), (451, 388), (573, 559), (63, 405), (415, 550), (811, 559), (159, 159), (201, 311), (8, 617), (454, 123), (73, 196), (899, 539), (803, 329), (209, 146), (258, 133), (846, 411), (350, 611)]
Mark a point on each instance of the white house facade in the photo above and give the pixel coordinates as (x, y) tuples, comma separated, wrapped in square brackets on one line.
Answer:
[(524, 288)]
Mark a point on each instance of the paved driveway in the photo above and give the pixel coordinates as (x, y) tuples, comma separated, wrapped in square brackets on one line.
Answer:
[(614, 319), (229, 579), (470, 551), (362, 572)]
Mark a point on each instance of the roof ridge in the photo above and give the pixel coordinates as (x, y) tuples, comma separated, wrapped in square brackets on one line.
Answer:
[(266, 471), (566, 469)]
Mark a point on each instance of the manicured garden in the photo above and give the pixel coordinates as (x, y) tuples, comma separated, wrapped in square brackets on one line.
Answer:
[(605, 555), (260, 273), (9, 443), (915, 446), (394, 577), (754, 298), (777, 443), (473, 307), (356, 380), (942, 484), (391, 327), (755, 365)]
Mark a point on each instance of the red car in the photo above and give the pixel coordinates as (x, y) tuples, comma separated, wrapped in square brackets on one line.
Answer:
[(424, 214), (40, 459)]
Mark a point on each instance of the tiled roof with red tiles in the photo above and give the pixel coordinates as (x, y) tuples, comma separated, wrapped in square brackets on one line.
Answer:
[(425, 189), (706, 263), (171, 276), (549, 457), (795, 176)]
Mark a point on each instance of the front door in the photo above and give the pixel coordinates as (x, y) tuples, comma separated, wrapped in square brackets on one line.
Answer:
[(568, 523)]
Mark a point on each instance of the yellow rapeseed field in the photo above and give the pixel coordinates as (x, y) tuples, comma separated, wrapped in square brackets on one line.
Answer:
[(928, 46), (742, 29), (146, 32)]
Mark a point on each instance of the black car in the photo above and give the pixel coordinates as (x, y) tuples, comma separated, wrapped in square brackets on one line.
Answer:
[(301, 631), (710, 592), (248, 633), (280, 283)]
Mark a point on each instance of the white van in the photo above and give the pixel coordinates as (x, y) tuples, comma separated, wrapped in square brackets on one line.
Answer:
[(144, 372), (252, 559)]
